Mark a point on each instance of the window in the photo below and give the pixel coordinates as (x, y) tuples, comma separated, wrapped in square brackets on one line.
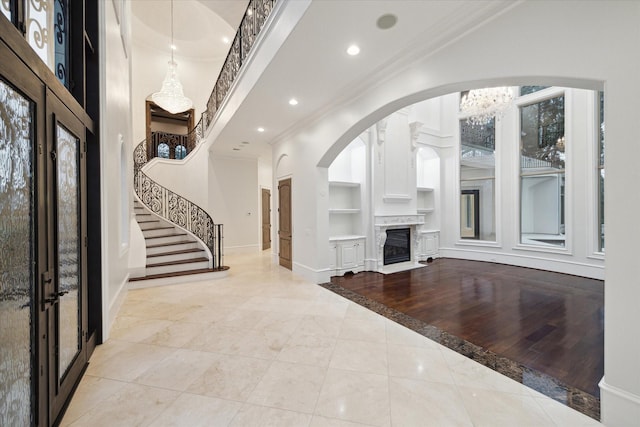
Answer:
[(600, 232), (477, 181), (163, 150), (542, 173), (181, 152), (526, 90), (47, 34)]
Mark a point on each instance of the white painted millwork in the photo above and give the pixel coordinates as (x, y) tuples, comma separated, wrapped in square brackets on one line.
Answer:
[(346, 254), (429, 244)]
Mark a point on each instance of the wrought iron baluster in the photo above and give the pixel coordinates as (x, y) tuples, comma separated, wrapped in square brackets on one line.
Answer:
[(175, 208), (255, 16)]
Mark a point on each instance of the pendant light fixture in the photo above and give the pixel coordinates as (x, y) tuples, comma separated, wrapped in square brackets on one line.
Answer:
[(171, 97)]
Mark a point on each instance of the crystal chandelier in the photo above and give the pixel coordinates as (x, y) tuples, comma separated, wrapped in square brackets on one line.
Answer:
[(171, 97), (482, 105)]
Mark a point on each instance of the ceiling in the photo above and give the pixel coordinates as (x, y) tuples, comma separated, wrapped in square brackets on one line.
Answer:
[(198, 25), (312, 65)]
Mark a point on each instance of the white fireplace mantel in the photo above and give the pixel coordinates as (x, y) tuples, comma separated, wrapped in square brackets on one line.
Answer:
[(397, 220), (382, 223)]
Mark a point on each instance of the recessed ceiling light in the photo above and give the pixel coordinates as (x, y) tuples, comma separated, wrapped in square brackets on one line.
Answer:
[(236, 149), (387, 21), (353, 50), (260, 129), (174, 47), (245, 142), (293, 101), (225, 40)]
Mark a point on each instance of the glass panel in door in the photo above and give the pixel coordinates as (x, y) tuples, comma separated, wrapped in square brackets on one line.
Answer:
[(18, 255), (68, 233)]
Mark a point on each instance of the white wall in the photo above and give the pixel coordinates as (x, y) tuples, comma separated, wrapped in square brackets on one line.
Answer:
[(186, 177), (233, 199), (350, 165), (265, 173), (594, 52), (115, 124), (265, 179)]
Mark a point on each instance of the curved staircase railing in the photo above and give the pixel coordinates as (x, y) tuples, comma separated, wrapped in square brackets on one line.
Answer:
[(175, 208), (164, 202)]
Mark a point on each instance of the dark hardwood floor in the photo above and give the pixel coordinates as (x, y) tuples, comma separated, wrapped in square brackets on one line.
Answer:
[(547, 321)]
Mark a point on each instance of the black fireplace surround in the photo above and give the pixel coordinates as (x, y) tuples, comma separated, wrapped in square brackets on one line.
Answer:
[(397, 246)]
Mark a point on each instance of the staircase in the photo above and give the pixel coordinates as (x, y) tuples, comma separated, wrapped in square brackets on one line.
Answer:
[(173, 255)]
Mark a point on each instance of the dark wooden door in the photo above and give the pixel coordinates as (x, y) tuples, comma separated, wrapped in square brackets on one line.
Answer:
[(284, 223), (43, 293), (266, 219), (65, 290), (23, 234)]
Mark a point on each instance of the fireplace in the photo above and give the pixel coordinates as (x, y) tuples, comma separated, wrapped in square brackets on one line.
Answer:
[(397, 246), (397, 240)]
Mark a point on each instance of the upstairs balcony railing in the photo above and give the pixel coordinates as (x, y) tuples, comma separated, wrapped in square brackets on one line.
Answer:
[(252, 23), (254, 19), (170, 145)]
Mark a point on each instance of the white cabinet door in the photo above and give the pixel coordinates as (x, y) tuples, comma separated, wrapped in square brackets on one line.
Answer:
[(333, 256), (349, 255), (431, 244), (360, 253)]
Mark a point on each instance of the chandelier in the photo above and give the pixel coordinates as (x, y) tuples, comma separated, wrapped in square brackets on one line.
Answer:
[(171, 97), (482, 105)]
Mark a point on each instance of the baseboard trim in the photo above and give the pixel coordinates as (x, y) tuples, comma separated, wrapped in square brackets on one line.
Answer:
[(242, 247), (566, 267), (114, 307), (311, 274), (618, 407)]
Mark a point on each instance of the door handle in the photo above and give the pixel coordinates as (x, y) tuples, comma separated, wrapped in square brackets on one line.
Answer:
[(55, 297)]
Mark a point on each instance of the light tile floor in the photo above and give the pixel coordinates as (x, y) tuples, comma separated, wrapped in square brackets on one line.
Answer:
[(264, 348)]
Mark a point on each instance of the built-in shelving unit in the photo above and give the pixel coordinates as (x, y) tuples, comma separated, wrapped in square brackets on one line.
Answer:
[(346, 241), (429, 235), (425, 201), (344, 197), (345, 217)]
